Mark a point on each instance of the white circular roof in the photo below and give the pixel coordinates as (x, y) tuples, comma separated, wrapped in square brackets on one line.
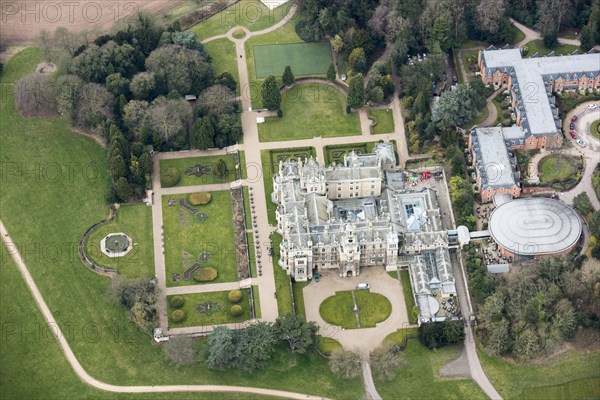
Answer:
[(535, 226)]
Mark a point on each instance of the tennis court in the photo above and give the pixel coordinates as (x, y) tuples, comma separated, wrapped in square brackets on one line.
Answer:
[(304, 58)]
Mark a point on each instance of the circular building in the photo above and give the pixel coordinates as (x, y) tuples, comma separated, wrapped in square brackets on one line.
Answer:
[(535, 227)]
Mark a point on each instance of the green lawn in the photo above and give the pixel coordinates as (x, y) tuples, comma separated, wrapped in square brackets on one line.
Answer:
[(472, 54), (571, 375), (385, 121), (136, 222), (327, 345), (304, 58), (537, 46), (270, 165), (483, 114), (418, 378), (282, 280), (186, 238), (182, 164), (299, 297), (219, 309), (310, 110), (595, 129), (223, 56), (519, 36), (249, 235), (373, 308), (408, 297), (283, 35), (249, 13), (557, 167), (256, 296), (114, 351)]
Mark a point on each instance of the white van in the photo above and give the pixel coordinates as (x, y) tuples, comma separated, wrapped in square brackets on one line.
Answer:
[(363, 286)]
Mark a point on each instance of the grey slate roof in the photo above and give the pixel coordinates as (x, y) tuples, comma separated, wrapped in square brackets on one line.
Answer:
[(495, 166)]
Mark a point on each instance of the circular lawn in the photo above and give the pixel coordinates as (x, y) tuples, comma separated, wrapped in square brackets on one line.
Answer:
[(372, 308), (558, 167)]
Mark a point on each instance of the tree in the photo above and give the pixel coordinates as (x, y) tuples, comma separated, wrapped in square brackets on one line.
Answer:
[(489, 15), (180, 350), (221, 349), (376, 94), (331, 72), (527, 345), (582, 204), (385, 359), (136, 116), (271, 96), (356, 91), (288, 76), (169, 118), (117, 167), (357, 60), (454, 108), (255, 345), (499, 338), (34, 95), (216, 99), (143, 85), (66, 93), (94, 105), (67, 40), (226, 79), (221, 169), (44, 43), (337, 44), (202, 134), (441, 31), (345, 364), (299, 334), (117, 84), (595, 224)]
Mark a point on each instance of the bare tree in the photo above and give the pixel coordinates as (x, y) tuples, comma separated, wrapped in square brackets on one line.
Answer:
[(489, 14), (385, 360), (180, 350), (68, 40), (168, 117), (44, 42), (95, 104), (216, 99), (34, 96), (345, 364)]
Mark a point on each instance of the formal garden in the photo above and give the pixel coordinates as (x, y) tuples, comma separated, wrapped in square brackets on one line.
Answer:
[(201, 170), (353, 309), (383, 121), (135, 221), (208, 308), (199, 240), (309, 110)]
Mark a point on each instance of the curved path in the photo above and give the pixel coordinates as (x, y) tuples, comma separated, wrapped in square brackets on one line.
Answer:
[(530, 35), (87, 378)]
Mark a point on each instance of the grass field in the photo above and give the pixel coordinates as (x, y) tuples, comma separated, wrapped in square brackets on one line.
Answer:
[(309, 110), (219, 313), (373, 308), (283, 288), (187, 237), (595, 129), (252, 14), (282, 35), (182, 164), (299, 297), (556, 168), (116, 352), (572, 375), (256, 296), (385, 121), (408, 297), (136, 222), (537, 46), (223, 56), (304, 58), (418, 378)]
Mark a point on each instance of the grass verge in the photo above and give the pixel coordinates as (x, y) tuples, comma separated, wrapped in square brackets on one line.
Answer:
[(408, 296), (385, 121)]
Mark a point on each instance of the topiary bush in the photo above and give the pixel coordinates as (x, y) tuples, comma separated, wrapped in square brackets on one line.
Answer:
[(236, 310), (178, 316), (199, 198), (205, 274), (177, 301), (169, 177), (235, 296)]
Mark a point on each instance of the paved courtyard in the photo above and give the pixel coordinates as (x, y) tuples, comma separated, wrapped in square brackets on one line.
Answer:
[(362, 340)]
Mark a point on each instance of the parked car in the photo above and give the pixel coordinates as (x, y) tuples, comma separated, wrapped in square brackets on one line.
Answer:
[(581, 143), (573, 134), (592, 106), (574, 118), (363, 286), (572, 126), (316, 276)]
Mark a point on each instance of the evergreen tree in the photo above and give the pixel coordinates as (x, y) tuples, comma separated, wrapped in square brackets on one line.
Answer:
[(203, 134), (117, 167), (123, 189), (288, 76), (356, 91), (221, 169), (271, 96)]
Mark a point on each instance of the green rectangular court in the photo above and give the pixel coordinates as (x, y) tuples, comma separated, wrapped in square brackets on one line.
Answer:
[(304, 58)]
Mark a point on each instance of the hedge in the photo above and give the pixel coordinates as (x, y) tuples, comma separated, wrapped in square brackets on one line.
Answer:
[(205, 274), (177, 315), (199, 198), (177, 301), (236, 310), (235, 296), (169, 177)]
